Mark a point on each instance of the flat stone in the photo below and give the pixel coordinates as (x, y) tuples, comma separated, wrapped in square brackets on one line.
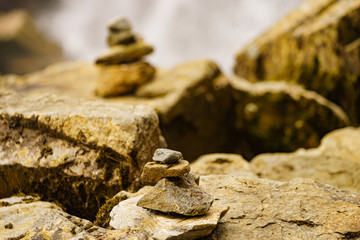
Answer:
[(164, 155), (177, 195), (119, 25), (299, 209), (124, 53), (154, 172), (127, 215), (336, 161), (115, 80), (222, 164), (29, 218), (121, 38), (74, 151)]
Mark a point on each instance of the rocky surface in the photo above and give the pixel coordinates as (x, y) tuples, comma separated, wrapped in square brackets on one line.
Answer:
[(23, 47), (299, 209), (317, 46), (154, 172), (222, 164), (179, 195), (28, 218), (166, 156), (75, 152), (160, 226), (335, 162), (114, 80), (281, 117)]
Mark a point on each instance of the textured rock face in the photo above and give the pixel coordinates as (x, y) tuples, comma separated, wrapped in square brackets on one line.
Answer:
[(114, 80), (23, 48), (154, 172), (317, 46), (222, 164), (29, 218), (160, 226), (299, 209), (278, 116), (177, 195), (335, 162), (76, 152)]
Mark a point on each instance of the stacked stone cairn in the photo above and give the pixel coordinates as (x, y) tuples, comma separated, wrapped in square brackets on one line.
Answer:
[(176, 190), (121, 69)]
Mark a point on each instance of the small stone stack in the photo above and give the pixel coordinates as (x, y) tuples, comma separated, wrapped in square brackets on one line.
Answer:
[(121, 69), (176, 190)]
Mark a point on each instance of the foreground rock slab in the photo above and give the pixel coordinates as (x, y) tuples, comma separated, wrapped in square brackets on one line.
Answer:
[(179, 195), (336, 161), (163, 226), (28, 218), (73, 151), (299, 209), (317, 46)]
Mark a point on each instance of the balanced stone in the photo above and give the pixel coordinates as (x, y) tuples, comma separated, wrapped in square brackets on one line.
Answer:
[(124, 53), (177, 195), (164, 155), (121, 38), (119, 25), (153, 172)]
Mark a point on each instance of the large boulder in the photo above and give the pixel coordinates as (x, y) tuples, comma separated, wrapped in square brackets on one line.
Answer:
[(279, 116), (299, 209), (192, 100), (76, 152), (25, 217), (317, 46), (336, 161)]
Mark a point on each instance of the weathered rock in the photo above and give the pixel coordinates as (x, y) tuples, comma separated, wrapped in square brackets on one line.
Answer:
[(281, 117), (164, 155), (28, 218), (124, 53), (177, 195), (121, 38), (154, 172), (161, 226), (299, 209), (73, 151), (115, 80), (119, 25), (222, 163), (335, 162), (23, 48), (192, 100), (316, 46)]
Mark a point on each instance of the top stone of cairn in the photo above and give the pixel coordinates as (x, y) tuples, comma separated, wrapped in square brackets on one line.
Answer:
[(119, 25), (166, 156)]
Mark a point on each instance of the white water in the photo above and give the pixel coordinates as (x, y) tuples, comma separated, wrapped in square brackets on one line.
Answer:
[(180, 30)]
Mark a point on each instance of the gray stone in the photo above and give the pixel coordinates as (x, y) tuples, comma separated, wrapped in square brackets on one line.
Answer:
[(164, 155), (119, 25), (177, 195), (74, 151), (299, 209), (126, 215)]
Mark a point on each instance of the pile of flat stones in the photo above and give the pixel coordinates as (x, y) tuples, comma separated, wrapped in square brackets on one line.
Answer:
[(175, 190), (121, 68)]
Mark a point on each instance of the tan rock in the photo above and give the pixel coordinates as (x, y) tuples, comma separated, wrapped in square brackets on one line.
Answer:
[(121, 38), (120, 24), (115, 80), (281, 117), (28, 218), (122, 54), (222, 163), (335, 162), (74, 151), (317, 46), (299, 209), (161, 226), (153, 172)]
